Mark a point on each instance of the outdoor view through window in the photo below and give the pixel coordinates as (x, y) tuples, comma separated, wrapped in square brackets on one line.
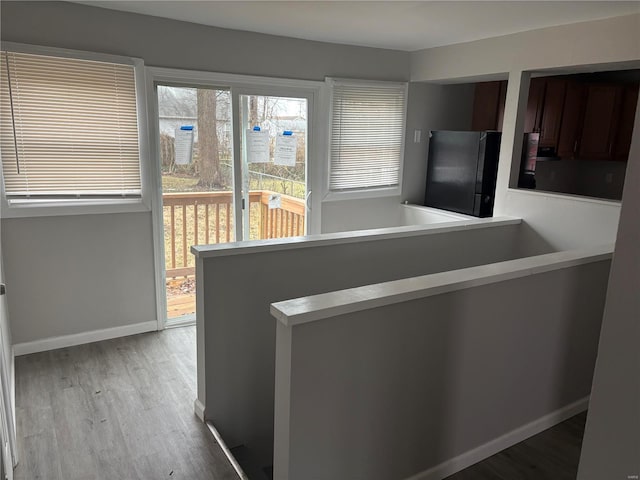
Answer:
[(196, 152)]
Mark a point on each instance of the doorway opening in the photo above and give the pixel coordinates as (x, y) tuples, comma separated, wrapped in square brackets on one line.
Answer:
[(211, 195), (197, 184)]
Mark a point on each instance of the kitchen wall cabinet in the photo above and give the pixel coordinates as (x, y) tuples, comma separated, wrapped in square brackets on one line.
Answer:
[(488, 106), (533, 117), (577, 116), (625, 126), (571, 124), (544, 109), (551, 115), (600, 123)]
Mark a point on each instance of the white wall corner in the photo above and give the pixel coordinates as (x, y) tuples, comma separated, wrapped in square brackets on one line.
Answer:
[(198, 409), (511, 143)]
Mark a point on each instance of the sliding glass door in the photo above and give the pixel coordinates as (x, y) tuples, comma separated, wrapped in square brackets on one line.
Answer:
[(234, 167), (273, 165)]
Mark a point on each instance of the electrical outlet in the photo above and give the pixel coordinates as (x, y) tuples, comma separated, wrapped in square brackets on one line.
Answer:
[(417, 134)]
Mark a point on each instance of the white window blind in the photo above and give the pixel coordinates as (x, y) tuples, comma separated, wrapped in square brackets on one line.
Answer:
[(69, 128), (367, 134)]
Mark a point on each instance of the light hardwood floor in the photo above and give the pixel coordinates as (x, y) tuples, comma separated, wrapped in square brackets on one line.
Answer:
[(123, 409), (118, 409)]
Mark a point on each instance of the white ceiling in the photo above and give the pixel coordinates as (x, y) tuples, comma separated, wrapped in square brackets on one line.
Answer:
[(387, 24)]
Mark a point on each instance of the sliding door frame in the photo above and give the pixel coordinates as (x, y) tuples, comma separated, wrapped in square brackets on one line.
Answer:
[(268, 91), (313, 91)]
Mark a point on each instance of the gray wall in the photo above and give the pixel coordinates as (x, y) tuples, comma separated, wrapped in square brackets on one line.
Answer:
[(78, 273), (170, 43), (234, 323), (433, 107), (574, 45), (611, 447), (90, 292), (390, 392)]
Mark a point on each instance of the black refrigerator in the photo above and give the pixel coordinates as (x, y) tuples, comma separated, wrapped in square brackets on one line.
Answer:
[(461, 171)]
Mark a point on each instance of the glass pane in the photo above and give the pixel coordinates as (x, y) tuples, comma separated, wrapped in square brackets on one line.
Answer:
[(197, 182), (277, 186)]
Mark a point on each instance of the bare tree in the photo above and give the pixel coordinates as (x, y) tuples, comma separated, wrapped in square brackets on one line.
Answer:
[(253, 111), (167, 151), (209, 155)]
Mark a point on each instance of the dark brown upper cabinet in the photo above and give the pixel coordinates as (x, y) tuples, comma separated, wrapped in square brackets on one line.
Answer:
[(488, 106), (552, 107), (533, 117), (601, 118), (571, 124), (625, 127), (579, 116), (582, 117), (544, 109)]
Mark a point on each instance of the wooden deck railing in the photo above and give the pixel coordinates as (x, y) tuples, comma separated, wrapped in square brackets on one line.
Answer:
[(195, 218)]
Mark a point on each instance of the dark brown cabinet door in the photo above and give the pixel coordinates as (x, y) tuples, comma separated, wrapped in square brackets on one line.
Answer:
[(552, 112), (502, 100), (627, 117), (534, 105), (600, 122), (485, 106), (571, 124)]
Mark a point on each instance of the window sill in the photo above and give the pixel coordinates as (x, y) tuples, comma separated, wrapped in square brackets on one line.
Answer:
[(51, 208), (337, 196)]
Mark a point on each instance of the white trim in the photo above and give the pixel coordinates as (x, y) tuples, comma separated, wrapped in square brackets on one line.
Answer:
[(227, 453), (362, 193), (356, 236), (155, 193), (63, 341), (186, 320), (237, 170), (341, 302), (282, 404), (68, 207), (198, 409), (507, 440)]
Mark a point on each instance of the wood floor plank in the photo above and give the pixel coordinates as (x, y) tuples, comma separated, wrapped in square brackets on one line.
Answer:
[(121, 408)]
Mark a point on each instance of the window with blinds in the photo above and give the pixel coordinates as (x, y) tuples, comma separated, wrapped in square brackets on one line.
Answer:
[(68, 127), (367, 134)]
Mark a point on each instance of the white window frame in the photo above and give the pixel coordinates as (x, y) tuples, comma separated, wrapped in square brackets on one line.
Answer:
[(54, 207), (372, 192)]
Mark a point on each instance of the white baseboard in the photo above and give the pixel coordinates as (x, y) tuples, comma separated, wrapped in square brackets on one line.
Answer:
[(507, 440), (52, 343), (198, 409)]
